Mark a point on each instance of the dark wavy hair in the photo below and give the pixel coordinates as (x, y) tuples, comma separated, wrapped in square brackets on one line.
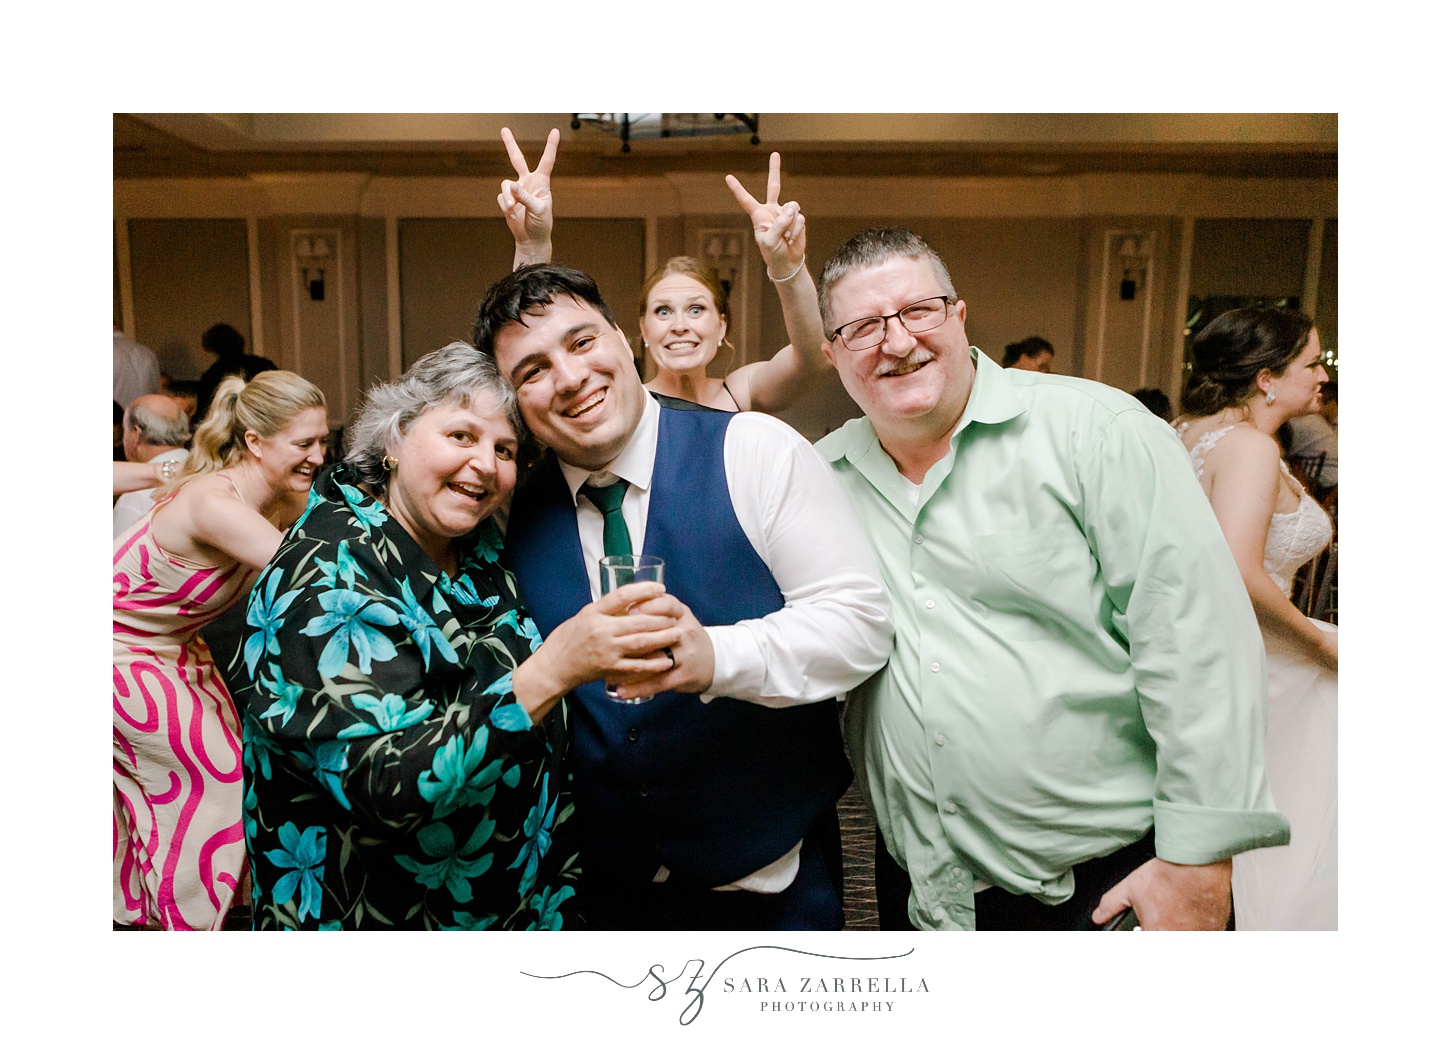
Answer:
[(1230, 352), (526, 289), (1029, 346)]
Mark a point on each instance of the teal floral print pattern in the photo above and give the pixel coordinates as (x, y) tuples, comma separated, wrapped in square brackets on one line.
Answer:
[(392, 780)]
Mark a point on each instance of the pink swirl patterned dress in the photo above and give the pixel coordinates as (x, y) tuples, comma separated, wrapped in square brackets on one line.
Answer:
[(178, 849)]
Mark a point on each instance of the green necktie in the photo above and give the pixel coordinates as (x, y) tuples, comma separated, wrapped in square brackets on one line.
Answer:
[(608, 499)]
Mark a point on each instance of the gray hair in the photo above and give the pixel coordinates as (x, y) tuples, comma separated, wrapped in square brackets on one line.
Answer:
[(454, 375), (867, 249), (157, 429)]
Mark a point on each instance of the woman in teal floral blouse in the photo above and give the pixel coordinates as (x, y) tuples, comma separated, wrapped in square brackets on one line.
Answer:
[(406, 748)]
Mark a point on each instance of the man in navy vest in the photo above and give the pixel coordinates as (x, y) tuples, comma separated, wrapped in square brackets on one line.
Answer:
[(713, 804)]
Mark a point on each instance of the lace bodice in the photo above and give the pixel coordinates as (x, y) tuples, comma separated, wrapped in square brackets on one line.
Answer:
[(1295, 537)]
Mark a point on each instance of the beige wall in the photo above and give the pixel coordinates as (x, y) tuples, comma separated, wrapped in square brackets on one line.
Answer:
[(187, 275), (446, 264), (372, 302), (1251, 256)]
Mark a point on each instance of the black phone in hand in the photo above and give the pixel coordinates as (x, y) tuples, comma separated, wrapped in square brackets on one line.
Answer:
[(1123, 921)]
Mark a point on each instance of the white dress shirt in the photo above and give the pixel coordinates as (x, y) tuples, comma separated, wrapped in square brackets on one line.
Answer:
[(835, 630), (135, 370)]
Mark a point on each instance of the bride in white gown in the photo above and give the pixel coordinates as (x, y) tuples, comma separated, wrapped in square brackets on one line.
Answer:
[(1253, 368)]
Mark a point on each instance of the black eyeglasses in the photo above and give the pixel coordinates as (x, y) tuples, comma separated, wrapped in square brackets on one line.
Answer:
[(917, 317)]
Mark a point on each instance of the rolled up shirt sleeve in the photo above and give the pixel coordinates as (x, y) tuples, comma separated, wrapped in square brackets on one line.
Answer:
[(1198, 659)]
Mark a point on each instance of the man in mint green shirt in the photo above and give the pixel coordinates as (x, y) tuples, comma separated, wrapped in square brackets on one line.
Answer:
[(1076, 692)]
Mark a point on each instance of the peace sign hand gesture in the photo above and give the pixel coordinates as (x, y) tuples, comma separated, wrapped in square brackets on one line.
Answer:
[(526, 202), (780, 230)]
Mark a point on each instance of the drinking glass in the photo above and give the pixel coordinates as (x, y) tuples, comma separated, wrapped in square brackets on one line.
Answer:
[(619, 570)]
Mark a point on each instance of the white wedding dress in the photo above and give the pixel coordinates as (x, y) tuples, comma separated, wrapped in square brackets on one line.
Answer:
[(1293, 887)]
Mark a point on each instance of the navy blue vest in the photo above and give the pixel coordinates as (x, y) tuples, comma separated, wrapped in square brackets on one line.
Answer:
[(713, 791)]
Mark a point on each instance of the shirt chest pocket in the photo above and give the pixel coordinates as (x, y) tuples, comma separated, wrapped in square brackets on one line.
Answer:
[(1032, 585)]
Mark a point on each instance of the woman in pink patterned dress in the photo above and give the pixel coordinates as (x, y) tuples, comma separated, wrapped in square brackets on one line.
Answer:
[(178, 850)]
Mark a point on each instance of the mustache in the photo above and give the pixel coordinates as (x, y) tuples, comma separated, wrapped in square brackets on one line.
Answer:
[(919, 357)]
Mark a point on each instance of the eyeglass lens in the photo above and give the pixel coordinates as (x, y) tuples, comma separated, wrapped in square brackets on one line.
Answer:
[(918, 317)]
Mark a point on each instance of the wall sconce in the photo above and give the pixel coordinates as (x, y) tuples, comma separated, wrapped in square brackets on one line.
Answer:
[(313, 252), (723, 249), (1135, 252)]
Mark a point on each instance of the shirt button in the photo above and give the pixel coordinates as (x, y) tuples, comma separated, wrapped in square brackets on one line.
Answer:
[(931, 604), (644, 790), (918, 538), (941, 740), (950, 808), (958, 887), (957, 871), (632, 734), (936, 667)]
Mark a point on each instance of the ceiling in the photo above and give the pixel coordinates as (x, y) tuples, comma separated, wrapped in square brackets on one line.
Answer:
[(224, 145)]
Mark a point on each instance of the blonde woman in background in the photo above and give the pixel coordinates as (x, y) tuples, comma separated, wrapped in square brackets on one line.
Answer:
[(684, 312), (178, 852)]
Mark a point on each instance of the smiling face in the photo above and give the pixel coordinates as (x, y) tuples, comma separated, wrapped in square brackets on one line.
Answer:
[(1298, 388), (682, 326), (909, 382), (576, 380), (290, 458), (456, 464)]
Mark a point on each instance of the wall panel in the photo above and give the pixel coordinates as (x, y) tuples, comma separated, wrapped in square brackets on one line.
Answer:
[(187, 274), (446, 265)]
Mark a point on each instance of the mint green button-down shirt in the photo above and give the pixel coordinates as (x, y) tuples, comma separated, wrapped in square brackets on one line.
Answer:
[(1076, 657)]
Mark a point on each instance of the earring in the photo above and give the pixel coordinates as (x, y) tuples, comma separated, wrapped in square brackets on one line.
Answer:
[(1270, 397), (390, 462)]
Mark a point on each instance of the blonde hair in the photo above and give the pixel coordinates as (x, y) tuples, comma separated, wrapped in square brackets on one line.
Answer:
[(266, 404), (703, 274)]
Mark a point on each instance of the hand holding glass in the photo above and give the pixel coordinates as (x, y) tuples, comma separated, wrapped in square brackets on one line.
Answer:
[(619, 570)]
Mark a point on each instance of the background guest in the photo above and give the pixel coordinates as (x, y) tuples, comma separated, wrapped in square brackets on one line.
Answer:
[(1031, 353), (1253, 369), (178, 852), (1314, 433), (135, 370), (223, 341), (184, 392), (1155, 401), (406, 748), (154, 429)]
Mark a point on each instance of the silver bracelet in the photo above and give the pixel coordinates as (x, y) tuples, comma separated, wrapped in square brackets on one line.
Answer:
[(787, 279)]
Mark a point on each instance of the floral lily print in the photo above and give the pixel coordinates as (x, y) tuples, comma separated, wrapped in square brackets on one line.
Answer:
[(391, 778)]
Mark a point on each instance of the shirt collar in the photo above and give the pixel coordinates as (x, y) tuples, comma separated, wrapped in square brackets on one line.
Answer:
[(635, 463), (993, 399)]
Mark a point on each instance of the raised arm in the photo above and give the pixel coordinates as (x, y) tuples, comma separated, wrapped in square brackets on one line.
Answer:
[(1243, 479), (128, 476), (527, 204), (774, 384)]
